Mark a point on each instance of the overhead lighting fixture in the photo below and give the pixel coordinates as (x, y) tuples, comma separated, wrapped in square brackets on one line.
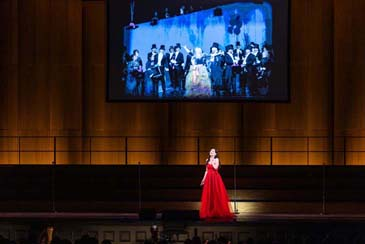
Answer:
[(132, 26), (218, 12)]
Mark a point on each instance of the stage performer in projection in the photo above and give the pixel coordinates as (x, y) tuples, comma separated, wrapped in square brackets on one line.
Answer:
[(214, 202), (135, 84), (177, 61), (216, 67), (198, 83)]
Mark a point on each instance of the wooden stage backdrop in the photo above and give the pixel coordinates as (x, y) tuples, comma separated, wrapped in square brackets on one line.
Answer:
[(52, 82)]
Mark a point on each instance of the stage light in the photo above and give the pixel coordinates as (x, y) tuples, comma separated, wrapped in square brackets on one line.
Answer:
[(182, 10), (154, 232), (132, 26), (167, 15), (154, 20), (218, 12)]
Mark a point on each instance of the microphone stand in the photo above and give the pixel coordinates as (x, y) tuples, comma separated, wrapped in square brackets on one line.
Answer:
[(235, 182)]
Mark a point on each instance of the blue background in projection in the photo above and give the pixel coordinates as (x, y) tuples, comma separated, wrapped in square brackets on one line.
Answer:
[(201, 29)]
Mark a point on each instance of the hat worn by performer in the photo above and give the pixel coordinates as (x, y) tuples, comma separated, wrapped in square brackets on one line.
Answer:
[(229, 47), (216, 45), (178, 45)]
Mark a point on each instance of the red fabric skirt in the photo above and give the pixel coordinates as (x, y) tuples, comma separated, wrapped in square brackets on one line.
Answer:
[(215, 202)]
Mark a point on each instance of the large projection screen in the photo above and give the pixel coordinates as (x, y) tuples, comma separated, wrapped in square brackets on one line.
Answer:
[(220, 51)]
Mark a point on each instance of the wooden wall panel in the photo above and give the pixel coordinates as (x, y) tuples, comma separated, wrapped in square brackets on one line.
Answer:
[(349, 67), (319, 72), (93, 65), (8, 67), (8, 79), (66, 67), (196, 119), (5, 25), (311, 69), (52, 70), (33, 82), (73, 150), (349, 76)]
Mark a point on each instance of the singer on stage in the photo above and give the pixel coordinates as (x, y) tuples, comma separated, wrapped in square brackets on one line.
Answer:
[(214, 202)]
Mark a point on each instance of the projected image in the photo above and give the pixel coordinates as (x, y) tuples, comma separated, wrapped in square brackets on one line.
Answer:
[(225, 52)]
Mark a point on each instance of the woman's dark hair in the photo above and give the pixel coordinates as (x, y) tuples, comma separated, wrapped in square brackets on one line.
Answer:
[(135, 51)]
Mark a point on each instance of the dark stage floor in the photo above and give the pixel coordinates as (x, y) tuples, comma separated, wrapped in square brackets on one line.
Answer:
[(135, 217)]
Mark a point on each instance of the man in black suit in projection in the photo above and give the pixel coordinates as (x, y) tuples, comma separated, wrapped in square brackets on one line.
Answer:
[(161, 66), (169, 64), (177, 60), (216, 65), (228, 75), (153, 54), (249, 73)]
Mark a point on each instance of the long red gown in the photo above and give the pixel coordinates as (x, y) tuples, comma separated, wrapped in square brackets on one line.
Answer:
[(214, 201)]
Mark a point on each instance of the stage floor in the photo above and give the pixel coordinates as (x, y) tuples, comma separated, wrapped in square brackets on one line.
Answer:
[(134, 217)]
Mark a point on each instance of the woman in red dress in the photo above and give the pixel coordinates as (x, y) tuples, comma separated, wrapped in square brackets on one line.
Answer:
[(214, 202)]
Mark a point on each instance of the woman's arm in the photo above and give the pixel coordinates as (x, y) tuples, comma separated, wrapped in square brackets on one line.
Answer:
[(205, 175), (186, 49)]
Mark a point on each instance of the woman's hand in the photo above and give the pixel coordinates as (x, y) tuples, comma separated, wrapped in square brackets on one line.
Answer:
[(215, 163), (202, 183)]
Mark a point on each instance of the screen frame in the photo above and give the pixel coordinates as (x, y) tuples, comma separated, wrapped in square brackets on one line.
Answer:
[(194, 100)]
